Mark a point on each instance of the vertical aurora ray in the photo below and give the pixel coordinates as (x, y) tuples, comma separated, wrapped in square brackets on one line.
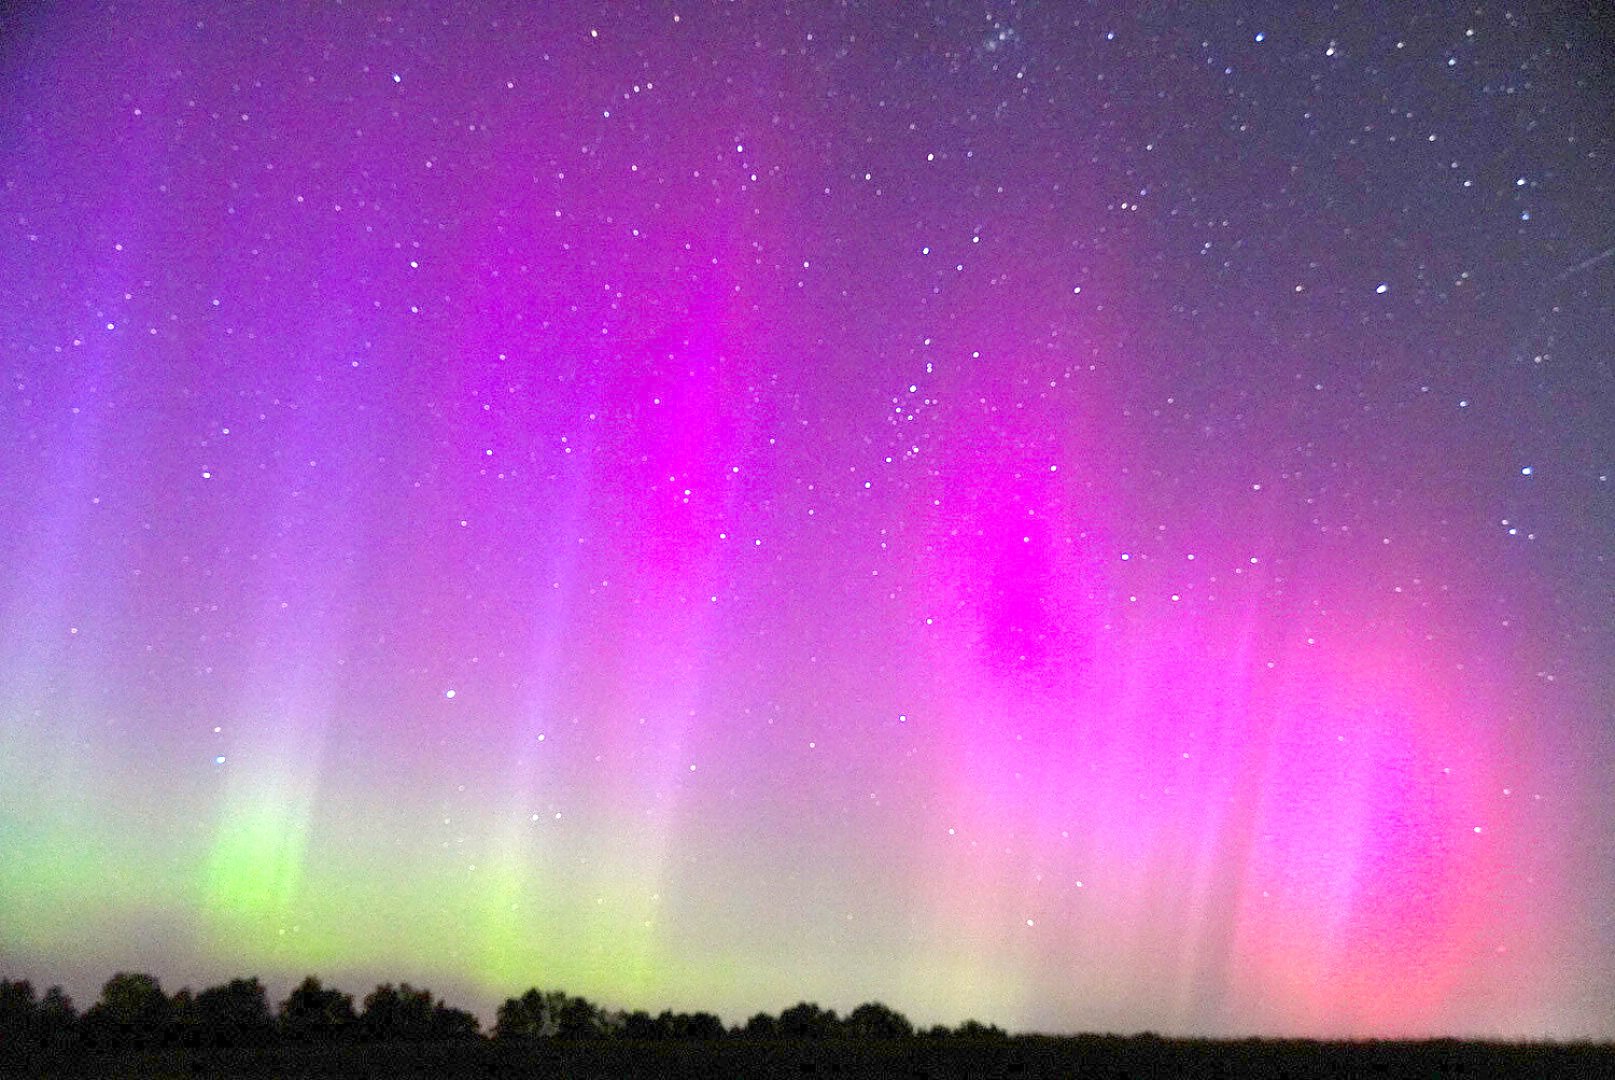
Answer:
[(1237, 821), (273, 744), (255, 869), (665, 404)]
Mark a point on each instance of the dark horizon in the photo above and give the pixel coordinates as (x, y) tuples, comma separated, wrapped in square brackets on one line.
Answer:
[(89, 1019), (1090, 516)]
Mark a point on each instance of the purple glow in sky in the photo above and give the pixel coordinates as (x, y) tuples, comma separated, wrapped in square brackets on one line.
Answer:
[(1085, 519)]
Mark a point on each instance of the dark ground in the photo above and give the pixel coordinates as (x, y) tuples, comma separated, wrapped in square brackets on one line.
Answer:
[(1144, 1058)]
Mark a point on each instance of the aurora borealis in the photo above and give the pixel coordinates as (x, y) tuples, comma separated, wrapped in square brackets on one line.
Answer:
[(1091, 518)]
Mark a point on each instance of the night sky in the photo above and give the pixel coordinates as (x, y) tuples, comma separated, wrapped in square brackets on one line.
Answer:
[(1090, 519)]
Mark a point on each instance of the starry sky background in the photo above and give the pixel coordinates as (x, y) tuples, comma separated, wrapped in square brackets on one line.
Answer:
[(1090, 518)]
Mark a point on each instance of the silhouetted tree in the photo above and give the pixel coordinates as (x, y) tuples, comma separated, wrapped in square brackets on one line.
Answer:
[(761, 1026), (19, 1017), (57, 1018), (578, 1019), (937, 1031), (807, 1021), (640, 1025), (132, 1012), (396, 1014), (534, 1015), (184, 1021), (452, 1023), (875, 1021), (555, 1014), (235, 1014), (672, 1025), (314, 1014), (975, 1029), (700, 1025)]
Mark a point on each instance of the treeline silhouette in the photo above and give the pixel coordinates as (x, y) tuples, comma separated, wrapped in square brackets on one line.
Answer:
[(319, 1033), (134, 1013)]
